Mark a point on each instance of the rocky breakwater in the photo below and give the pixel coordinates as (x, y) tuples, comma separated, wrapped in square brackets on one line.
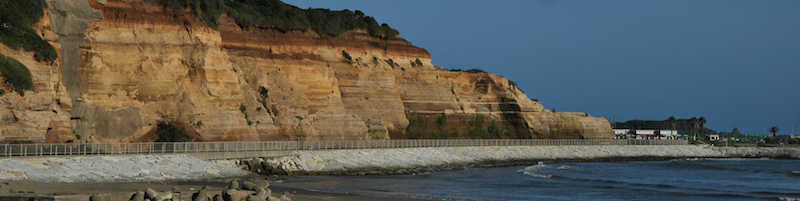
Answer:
[(130, 65), (405, 161)]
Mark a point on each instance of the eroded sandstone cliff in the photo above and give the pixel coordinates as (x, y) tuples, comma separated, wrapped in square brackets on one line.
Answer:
[(126, 65)]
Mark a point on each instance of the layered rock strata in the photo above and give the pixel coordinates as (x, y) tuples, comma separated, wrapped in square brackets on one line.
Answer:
[(127, 65)]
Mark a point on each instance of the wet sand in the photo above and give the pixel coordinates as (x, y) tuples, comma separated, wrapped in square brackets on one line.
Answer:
[(122, 191)]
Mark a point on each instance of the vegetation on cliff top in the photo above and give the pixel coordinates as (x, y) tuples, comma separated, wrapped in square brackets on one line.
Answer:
[(16, 18), (275, 14), (692, 125), (16, 75)]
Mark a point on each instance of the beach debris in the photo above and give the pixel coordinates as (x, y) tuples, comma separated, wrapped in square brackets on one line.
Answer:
[(137, 196), (286, 196), (248, 185), (261, 195), (157, 196), (202, 195), (94, 197), (234, 184), (235, 195)]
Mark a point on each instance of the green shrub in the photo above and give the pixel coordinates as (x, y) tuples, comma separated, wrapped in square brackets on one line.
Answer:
[(16, 18), (274, 14), (16, 75), (391, 63), (347, 56), (376, 44), (171, 132), (442, 120), (263, 92), (475, 70), (476, 128)]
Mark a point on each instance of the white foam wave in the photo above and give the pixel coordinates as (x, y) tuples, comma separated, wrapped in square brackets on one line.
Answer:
[(534, 171)]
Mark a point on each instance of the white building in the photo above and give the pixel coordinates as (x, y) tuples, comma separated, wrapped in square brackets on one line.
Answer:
[(620, 131), (668, 133), (713, 137)]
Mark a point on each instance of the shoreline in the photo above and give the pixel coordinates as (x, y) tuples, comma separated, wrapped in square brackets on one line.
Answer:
[(37, 191), (562, 154), (498, 164)]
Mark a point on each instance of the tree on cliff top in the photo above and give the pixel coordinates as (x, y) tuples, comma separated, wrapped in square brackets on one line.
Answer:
[(16, 18), (275, 14), (774, 130), (16, 75)]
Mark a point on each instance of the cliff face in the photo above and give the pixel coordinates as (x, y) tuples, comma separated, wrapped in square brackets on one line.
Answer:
[(127, 65)]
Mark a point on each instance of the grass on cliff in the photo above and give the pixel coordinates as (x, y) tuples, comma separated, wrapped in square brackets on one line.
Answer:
[(16, 75), (275, 14), (16, 18)]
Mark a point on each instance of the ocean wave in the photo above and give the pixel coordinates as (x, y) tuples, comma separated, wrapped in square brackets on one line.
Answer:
[(535, 171)]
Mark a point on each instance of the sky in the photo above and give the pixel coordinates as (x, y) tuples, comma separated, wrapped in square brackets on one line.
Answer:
[(734, 62)]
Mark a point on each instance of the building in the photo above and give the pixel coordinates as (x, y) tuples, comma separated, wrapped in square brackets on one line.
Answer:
[(713, 137), (646, 134), (621, 131), (668, 134)]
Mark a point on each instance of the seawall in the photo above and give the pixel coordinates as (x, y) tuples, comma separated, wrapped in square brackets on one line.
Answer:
[(410, 160)]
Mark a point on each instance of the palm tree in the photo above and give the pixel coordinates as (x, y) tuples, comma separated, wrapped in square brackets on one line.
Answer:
[(774, 130), (672, 121), (702, 123), (693, 125)]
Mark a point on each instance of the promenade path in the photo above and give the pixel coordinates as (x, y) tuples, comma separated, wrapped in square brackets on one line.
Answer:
[(232, 150)]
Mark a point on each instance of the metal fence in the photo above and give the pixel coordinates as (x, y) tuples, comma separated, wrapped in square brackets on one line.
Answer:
[(8, 150)]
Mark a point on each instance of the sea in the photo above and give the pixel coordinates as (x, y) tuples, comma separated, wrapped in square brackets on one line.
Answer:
[(680, 179)]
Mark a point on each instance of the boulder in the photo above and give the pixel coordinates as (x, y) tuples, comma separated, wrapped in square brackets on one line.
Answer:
[(202, 195), (138, 196), (157, 196)]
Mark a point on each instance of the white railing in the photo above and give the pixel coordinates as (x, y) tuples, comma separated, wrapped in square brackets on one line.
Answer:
[(9, 150)]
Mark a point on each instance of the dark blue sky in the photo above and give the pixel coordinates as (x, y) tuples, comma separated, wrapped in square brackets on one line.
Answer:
[(736, 62)]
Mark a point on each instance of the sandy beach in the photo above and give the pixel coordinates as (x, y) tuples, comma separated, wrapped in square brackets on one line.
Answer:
[(122, 191)]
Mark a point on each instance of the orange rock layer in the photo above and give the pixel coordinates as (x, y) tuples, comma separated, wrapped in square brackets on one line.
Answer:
[(141, 64)]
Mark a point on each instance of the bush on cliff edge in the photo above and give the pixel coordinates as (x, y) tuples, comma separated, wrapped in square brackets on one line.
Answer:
[(171, 132), (16, 75), (275, 14), (16, 18)]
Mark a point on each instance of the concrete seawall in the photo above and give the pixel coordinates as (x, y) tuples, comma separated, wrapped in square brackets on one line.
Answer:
[(400, 161)]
